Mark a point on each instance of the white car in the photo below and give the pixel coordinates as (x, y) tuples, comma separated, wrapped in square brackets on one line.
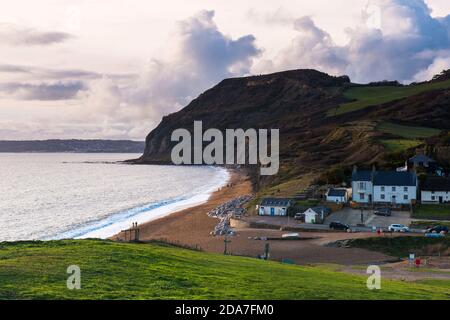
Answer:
[(398, 228)]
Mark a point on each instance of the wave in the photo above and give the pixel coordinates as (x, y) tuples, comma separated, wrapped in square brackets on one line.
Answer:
[(116, 222)]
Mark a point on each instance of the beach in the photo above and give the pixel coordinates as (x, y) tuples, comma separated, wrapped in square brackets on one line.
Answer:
[(191, 227)]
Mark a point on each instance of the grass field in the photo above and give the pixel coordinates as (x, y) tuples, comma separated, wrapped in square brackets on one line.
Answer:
[(407, 132), (397, 145), (371, 96), (399, 246), (432, 212), (153, 271)]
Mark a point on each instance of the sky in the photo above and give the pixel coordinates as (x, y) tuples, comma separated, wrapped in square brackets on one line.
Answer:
[(111, 69)]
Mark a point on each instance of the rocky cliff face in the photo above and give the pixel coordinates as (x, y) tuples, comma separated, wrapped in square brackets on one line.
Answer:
[(291, 101), (296, 102)]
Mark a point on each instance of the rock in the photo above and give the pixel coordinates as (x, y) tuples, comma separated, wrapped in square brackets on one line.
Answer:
[(225, 212)]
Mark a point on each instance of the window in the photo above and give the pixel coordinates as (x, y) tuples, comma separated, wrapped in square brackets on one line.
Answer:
[(362, 185), (361, 196), (405, 197), (433, 198), (382, 189), (383, 197), (405, 189), (394, 189)]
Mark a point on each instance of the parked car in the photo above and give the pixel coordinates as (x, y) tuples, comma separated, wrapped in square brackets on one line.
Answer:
[(437, 229), (385, 212), (398, 228), (339, 226), (299, 216), (434, 235)]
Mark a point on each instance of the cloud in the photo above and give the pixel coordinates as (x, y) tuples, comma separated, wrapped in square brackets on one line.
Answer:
[(39, 73), (8, 68), (119, 106), (311, 48), (61, 90), (202, 56), (13, 35), (396, 40), (281, 16)]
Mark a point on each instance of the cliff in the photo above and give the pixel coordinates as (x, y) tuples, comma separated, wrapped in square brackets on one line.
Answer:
[(321, 128)]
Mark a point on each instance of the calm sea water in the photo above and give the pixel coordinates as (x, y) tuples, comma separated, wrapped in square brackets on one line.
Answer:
[(53, 196)]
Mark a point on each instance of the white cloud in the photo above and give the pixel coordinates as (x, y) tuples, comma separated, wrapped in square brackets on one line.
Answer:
[(202, 56), (311, 48), (393, 42)]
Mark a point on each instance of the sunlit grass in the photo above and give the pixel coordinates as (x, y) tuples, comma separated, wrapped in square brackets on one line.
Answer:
[(112, 270)]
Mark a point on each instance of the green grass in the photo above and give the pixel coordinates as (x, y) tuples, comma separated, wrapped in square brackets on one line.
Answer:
[(372, 96), (149, 271), (407, 132), (432, 212), (398, 145), (307, 203), (398, 246)]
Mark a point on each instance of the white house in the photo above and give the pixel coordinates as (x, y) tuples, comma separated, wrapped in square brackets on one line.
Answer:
[(384, 187), (362, 186), (436, 190), (274, 207), (316, 214), (337, 195)]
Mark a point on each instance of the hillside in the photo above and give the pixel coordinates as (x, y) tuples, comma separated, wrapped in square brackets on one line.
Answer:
[(110, 270), (80, 146), (326, 123)]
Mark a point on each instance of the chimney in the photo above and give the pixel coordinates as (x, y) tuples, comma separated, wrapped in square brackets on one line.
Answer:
[(355, 169)]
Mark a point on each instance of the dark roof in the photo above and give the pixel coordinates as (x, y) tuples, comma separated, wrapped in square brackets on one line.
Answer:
[(337, 192), (278, 202), (436, 184), (394, 178), (362, 175), (386, 178), (421, 158)]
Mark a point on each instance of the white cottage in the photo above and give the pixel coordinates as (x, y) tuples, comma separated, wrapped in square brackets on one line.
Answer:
[(337, 195), (274, 207), (362, 186), (436, 190), (387, 187)]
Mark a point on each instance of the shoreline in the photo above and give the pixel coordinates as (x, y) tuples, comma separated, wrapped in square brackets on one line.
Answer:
[(192, 226), (113, 225)]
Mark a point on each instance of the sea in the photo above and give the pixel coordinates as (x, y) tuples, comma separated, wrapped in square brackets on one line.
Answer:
[(49, 196)]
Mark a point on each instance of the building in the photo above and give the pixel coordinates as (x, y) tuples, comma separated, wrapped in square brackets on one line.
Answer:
[(362, 186), (387, 187), (337, 195), (395, 187), (422, 161), (436, 190), (316, 214), (274, 207)]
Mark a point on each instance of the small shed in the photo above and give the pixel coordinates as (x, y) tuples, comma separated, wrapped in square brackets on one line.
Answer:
[(316, 214)]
